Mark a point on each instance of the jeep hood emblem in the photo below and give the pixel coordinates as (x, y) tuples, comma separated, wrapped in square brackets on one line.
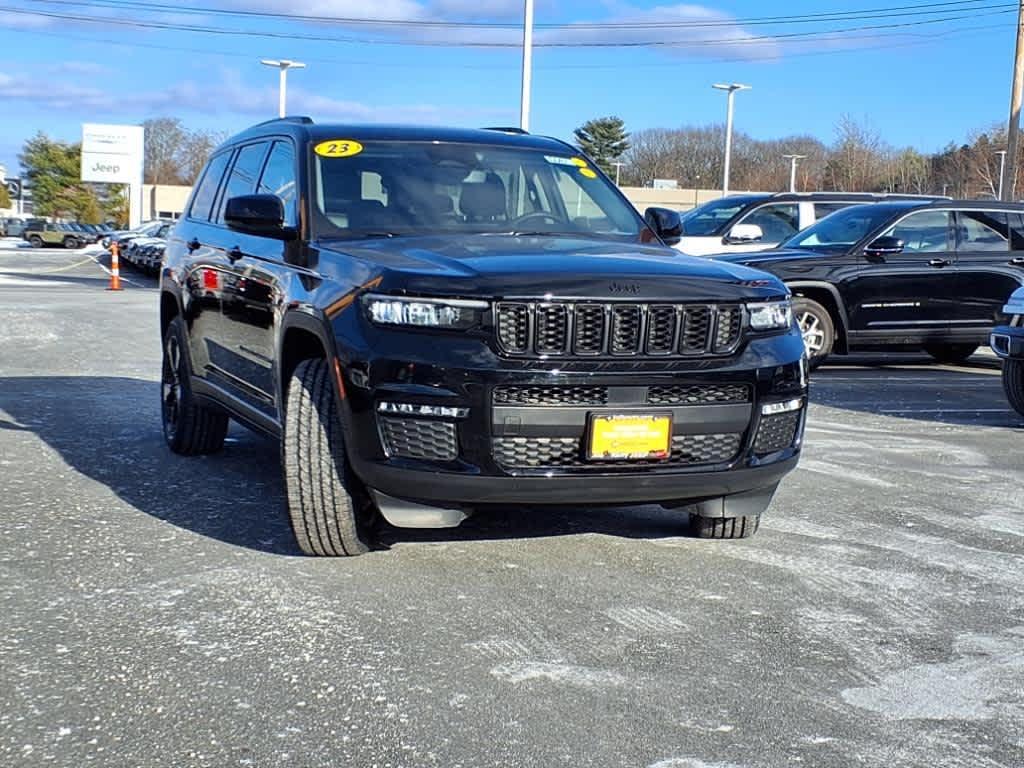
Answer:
[(631, 288)]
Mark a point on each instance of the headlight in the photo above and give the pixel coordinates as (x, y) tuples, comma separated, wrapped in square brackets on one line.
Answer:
[(770, 315), (456, 314)]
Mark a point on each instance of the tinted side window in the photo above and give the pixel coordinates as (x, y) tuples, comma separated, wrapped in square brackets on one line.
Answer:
[(279, 179), (1016, 232), (244, 174), (777, 222), (982, 231), (821, 210), (202, 201), (924, 232)]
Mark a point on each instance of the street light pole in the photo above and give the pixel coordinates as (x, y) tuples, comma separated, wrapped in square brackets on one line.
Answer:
[(524, 99), (1013, 129), (283, 65), (1002, 170), (792, 169), (618, 167), (731, 88)]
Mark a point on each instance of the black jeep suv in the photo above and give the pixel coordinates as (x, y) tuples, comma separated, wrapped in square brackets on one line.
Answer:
[(438, 321), (930, 276)]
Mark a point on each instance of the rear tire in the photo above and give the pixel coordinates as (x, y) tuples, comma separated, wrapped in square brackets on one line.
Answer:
[(950, 354), (70, 242), (1013, 383), (189, 428), (330, 512), (817, 329), (35, 241), (725, 527)]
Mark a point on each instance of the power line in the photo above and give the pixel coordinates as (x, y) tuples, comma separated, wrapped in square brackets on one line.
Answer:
[(921, 39), (950, 6), (751, 40)]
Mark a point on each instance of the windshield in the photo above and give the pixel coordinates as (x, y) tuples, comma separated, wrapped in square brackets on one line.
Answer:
[(842, 228), (412, 188), (709, 218)]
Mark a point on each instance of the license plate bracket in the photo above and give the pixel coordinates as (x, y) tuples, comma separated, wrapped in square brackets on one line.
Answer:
[(629, 436)]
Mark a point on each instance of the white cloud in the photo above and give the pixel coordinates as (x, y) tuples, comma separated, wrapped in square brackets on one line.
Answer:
[(226, 95)]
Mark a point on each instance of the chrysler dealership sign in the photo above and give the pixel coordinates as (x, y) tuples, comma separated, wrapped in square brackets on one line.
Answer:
[(113, 154)]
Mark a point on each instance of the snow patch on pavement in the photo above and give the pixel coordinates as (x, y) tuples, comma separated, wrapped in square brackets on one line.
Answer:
[(985, 682), (570, 674)]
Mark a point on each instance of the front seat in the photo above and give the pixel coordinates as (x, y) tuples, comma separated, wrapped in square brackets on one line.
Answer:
[(483, 201)]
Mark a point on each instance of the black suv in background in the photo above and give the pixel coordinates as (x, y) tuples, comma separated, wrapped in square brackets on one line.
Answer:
[(930, 276), (437, 321)]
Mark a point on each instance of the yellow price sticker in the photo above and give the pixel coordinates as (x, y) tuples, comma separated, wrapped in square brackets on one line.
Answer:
[(579, 162), (338, 148), (588, 173)]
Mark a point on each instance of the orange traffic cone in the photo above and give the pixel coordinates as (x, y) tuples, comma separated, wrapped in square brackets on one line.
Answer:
[(115, 269)]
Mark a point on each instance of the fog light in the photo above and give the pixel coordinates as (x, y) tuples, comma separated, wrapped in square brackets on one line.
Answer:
[(770, 409), (412, 409)]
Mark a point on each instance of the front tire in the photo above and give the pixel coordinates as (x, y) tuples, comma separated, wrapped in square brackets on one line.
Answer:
[(35, 241), (817, 329), (330, 512), (951, 354), (725, 527), (1013, 383), (189, 428), (70, 242)]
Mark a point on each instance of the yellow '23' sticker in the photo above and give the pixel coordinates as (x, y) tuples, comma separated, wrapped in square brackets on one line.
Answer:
[(338, 148), (588, 173)]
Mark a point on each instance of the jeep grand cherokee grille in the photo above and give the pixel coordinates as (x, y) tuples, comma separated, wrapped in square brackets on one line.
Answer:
[(596, 329)]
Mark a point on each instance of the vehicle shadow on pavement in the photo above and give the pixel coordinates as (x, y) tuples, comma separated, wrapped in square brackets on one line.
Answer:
[(914, 387), (107, 428)]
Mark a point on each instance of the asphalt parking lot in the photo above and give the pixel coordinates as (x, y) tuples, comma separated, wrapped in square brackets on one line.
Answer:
[(156, 612)]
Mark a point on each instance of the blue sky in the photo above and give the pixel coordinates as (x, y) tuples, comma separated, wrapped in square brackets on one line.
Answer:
[(923, 84)]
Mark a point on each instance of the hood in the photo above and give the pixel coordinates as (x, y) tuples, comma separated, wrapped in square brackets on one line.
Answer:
[(566, 267), (769, 256)]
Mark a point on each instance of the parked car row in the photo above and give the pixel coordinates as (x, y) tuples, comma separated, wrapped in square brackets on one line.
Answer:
[(62, 234), (145, 253)]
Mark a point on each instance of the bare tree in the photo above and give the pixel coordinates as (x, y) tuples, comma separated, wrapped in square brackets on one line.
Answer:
[(165, 139), (199, 145)]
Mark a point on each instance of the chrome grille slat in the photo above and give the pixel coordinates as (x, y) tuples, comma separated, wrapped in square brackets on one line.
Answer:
[(594, 329)]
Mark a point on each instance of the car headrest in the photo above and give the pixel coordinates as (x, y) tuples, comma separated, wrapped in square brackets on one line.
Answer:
[(483, 199)]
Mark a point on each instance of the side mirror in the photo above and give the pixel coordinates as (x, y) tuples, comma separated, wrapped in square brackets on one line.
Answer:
[(666, 224), (744, 233), (887, 245), (258, 215)]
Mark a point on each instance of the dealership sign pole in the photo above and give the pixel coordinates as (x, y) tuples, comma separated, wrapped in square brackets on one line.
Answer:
[(113, 154)]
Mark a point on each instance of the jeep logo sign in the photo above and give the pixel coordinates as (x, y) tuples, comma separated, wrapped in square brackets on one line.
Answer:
[(112, 153)]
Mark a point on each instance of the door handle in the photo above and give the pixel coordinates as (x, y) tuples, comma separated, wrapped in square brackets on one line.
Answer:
[(939, 263), (235, 254), (193, 245), (1016, 261)]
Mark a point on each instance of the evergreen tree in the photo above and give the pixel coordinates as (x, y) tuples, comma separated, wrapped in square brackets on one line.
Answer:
[(53, 169), (604, 140)]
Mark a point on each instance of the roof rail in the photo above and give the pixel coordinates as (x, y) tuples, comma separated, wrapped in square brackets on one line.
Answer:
[(505, 129), (300, 119)]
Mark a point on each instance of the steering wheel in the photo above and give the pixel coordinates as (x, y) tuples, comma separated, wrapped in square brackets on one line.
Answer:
[(538, 216)]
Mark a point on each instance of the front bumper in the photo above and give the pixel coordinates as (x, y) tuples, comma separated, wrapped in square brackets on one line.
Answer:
[(1008, 342), (484, 449)]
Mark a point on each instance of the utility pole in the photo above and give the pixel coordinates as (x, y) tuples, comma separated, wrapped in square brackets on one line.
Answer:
[(731, 89), (792, 169), (524, 100), (1013, 129), (1002, 171), (282, 66)]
